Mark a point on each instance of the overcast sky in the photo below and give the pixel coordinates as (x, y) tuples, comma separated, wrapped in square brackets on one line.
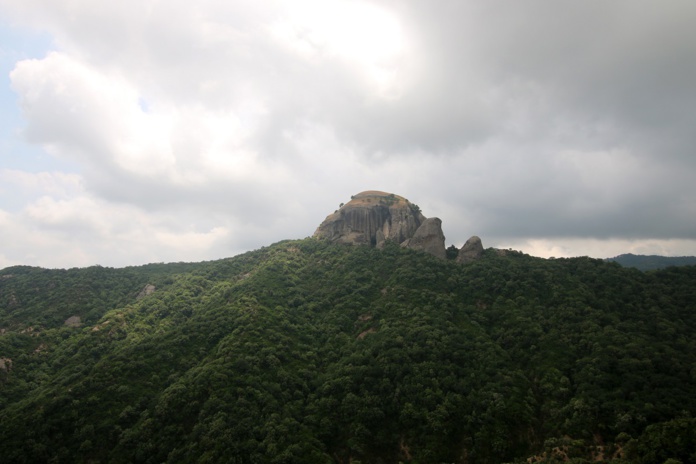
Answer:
[(142, 131)]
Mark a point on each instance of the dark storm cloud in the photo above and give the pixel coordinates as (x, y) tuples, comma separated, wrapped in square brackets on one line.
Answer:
[(628, 65), (613, 82)]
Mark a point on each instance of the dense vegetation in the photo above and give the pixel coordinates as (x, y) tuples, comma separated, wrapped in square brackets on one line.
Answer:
[(652, 262), (309, 352)]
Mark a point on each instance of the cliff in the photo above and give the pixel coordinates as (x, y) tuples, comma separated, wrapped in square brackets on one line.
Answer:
[(373, 217)]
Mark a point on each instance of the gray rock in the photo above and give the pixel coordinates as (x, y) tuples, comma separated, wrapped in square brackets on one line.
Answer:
[(5, 364), (428, 238), (372, 218), (73, 321), (148, 289), (470, 251)]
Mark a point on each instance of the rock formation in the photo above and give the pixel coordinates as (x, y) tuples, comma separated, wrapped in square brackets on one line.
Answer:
[(73, 321), (149, 289), (429, 238), (373, 217), (470, 251), (5, 364)]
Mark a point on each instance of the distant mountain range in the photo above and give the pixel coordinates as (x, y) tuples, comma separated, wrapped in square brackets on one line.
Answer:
[(652, 262)]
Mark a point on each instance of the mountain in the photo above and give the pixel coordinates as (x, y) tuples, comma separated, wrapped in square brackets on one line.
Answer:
[(652, 262), (311, 351)]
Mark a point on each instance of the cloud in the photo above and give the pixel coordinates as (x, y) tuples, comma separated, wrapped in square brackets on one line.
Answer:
[(62, 225), (234, 124)]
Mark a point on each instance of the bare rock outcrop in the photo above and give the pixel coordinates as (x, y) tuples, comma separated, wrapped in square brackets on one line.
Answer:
[(148, 289), (73, 321), (5, 368), (470, 251), (429, 238), (5, 364), (373, 217)]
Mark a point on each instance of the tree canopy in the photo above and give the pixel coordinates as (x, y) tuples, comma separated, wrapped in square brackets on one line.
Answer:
[(310, 352)]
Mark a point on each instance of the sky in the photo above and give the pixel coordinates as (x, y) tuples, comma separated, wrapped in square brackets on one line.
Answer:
[(144, 131)]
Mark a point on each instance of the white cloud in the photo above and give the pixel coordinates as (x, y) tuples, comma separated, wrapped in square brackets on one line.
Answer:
[(55, 184), (80, 113), (203, 128), (363, 34), (74, 228)]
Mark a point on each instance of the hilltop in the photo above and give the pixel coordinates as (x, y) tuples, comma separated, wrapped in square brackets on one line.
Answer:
[(373, 218)]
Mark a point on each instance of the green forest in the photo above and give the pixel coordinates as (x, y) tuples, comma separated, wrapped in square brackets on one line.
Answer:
[(310, 352)]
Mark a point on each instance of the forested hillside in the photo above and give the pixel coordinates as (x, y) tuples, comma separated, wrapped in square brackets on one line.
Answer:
[(307, 352)]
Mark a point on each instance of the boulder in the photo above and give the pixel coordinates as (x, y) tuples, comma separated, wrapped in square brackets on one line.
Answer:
[(428, 238), (5, 364), (148, 289), (470, 251), (73, 321)]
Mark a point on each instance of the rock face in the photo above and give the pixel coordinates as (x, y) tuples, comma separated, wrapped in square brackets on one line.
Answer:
[(428, 238), (5, 364), (470, 251), (148, 289), (73, 321), (373, 217)]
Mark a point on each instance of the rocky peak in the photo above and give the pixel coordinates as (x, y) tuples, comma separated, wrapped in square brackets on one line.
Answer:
[(429, 238), (373, 217), (470, 251)]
